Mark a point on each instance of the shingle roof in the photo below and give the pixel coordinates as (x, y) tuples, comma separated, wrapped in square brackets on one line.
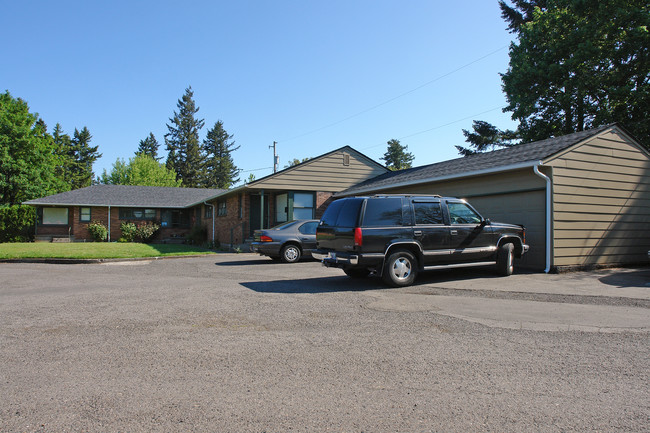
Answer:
[(519, 155), (130, 196)]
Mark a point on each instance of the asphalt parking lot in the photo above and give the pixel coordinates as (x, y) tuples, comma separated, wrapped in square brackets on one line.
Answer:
[(237, 343)]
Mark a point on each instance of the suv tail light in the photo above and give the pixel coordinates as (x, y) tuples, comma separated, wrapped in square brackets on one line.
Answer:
[(265, 238), (358, 237)]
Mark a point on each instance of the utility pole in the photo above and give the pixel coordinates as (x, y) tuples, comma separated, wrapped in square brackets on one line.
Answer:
[(276, 158)]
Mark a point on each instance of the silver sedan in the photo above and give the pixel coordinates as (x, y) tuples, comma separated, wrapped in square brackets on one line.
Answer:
[(287, 242)]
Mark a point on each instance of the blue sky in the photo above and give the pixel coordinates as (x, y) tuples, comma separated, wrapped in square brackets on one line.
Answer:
[(311, 75)]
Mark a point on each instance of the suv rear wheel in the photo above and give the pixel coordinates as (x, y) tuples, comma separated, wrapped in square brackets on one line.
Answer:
[(400, 269)]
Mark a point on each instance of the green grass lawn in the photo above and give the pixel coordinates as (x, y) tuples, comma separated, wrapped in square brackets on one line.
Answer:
[(95, 250)]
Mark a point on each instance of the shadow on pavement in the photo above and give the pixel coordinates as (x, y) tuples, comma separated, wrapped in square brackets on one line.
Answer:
[(315, 285), (640, 278)]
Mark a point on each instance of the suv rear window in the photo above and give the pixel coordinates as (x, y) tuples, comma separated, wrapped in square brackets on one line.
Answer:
[(383, 211), (342, 213)]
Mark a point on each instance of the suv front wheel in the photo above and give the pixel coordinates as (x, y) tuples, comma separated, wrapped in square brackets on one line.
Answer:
[(400, 269), (505, 259)]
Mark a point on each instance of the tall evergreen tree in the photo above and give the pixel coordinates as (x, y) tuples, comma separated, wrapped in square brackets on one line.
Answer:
[(183, 144), (396, 156), (83, 156), (485, 137), (63, 160), (149, 146), (220, 169)]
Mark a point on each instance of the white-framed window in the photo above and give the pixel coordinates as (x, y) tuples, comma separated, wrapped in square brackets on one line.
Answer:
[(281, 208), (55, 216), (84, 214), (222, 209), (303, 205)]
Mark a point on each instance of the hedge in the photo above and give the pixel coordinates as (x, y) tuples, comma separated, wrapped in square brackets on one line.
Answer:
[(17, 223)]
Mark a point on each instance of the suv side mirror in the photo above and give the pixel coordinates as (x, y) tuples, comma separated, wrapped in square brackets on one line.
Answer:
[(486, 222)]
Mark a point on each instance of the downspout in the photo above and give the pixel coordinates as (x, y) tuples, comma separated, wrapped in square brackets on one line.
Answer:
[(109, 223), (548, 215), (212, 206)]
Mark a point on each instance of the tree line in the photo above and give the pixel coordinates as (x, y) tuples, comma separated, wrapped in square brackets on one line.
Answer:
[(191, 162)]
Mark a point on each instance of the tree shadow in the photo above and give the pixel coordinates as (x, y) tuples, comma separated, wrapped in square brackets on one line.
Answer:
[(640, 278), (257, 261)]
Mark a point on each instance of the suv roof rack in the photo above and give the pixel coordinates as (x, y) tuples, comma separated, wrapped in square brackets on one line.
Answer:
[(406, 195)]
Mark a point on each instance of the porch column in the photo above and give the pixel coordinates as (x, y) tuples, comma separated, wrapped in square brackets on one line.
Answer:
[(109, 224)]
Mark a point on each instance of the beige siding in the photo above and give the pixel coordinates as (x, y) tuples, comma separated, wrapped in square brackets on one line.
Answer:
[(516, 197), (601, 203), (328, 173)]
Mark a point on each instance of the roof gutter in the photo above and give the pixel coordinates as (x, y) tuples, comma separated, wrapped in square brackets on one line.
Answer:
[(491, 170), (548, 213)]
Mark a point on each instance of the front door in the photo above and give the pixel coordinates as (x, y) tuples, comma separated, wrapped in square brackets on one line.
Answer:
[(256, 222), (471, 239)]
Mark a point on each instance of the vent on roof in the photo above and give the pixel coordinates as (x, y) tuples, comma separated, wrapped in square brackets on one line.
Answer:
[(346, 158)]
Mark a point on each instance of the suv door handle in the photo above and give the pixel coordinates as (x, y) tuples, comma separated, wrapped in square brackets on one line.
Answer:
[(454, 232), (417, 233)]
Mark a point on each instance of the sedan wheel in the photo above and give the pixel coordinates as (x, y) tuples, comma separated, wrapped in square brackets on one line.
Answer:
[(290, 254)]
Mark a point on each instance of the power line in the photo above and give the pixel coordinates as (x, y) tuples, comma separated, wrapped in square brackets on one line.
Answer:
[(396, 97), (473, 116)]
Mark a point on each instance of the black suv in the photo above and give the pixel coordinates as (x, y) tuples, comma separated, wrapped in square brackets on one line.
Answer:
[(397, 236)]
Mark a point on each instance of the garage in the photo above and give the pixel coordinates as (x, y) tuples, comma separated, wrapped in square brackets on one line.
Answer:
[(584, 198)]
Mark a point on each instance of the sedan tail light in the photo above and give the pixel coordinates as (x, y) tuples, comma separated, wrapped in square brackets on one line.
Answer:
[(358, 237), (265, 238)]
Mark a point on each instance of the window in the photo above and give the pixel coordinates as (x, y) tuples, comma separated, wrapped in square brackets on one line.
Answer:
[(308, 228), (303, 206), (175, 218), (427, 213), (84, 214), (221, 208), (383, 211), (129, 213), (55, 216), (460, 213), (208, 211), (342, 213), (281, 208)]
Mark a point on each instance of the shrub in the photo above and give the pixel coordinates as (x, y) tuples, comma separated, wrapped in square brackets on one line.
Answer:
[(197, 235), (145, 231), (17, 223), (98, 231), (129, 232)]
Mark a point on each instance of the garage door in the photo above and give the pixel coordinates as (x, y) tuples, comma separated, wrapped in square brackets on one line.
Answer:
[(527, 208)]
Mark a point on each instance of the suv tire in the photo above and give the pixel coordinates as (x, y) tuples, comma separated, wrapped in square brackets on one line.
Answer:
[(400, 269), (505, 259), (290, 253)]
